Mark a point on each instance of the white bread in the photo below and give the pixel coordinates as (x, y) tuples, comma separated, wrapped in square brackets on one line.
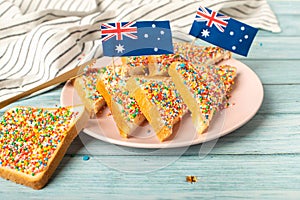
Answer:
[(124, 109), (204, 92), (33, 141), (159, 101), (85, 86)]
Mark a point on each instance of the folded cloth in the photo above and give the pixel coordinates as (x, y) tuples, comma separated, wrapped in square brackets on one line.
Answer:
[(42, 39)]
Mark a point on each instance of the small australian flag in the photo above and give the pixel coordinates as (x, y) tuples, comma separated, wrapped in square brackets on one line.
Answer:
[(136, 38), (223, 31)]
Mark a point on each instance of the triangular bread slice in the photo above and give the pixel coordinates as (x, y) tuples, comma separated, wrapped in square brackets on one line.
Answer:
[(185, 52), (124, 109), (33, 141), (85, 85), (159, 101), (204, 92), (202, 55)]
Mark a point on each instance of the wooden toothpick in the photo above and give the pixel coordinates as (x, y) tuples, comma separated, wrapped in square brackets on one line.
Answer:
[(191, 46), (114, 66)]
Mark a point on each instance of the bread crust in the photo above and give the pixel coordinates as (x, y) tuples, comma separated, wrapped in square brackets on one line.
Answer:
[(40, 179), (104, 92)]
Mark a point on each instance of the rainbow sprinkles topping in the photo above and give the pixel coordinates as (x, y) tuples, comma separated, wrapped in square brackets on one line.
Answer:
[(90, 79), (164, 95), (137, 61), (206, 88), (115, 84), (30, 136), (201, 55)]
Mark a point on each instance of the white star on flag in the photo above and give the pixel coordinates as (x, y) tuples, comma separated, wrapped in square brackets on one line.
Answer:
[(120, 48), (205, 33)]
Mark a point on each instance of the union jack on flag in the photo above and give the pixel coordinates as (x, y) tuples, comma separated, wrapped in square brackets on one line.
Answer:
[(211, 18), (223, 31), (136, 38), (118, 30)]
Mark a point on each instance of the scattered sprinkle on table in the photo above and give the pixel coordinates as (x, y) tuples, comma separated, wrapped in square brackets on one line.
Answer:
[(85, 157)]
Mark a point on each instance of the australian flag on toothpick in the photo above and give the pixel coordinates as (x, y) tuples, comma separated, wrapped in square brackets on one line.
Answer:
[(136, 38), (223, 31)]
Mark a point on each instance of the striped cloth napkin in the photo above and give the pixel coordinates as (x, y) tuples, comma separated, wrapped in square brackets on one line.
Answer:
[(42, 39)]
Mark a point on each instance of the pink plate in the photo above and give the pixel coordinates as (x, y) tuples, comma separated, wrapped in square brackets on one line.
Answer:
[(246, 99)]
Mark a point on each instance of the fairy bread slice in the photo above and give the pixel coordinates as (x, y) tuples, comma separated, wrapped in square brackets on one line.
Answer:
[(159, 101), (124, 109), (204, 92), (33, 141)]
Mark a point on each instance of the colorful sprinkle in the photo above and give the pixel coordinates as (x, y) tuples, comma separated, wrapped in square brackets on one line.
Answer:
[(133, 62), (137, 61), (85, 158), (89, 83), (30, 136), (184, 52), (201, 55), (163, 62)]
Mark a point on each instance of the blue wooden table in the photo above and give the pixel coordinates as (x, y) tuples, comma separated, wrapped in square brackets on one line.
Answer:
[(260, 160)]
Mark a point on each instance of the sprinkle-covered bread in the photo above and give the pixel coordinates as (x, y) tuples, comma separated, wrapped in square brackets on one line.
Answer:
[(33, 141), (227, 75), (201, 55), (185, 52), (204, 92), (159, 101), (85, 86), (135, 65), (124, 109)]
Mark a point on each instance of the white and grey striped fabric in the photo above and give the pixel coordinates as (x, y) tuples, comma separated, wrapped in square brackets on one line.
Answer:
[(41, 39)]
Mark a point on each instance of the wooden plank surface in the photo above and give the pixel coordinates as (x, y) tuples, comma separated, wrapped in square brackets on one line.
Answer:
[(260, 160), (231, 176)]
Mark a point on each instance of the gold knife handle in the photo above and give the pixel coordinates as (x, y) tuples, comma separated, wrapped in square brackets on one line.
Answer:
[(78, 70)]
